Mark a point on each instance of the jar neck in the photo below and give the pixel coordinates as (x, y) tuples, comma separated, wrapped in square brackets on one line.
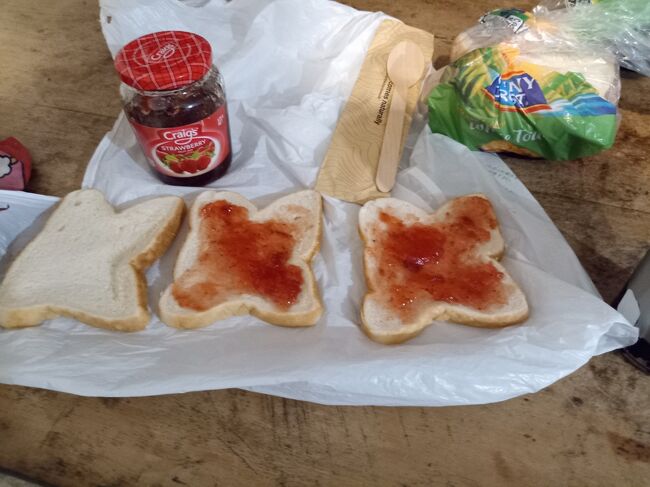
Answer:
[(211, 74)]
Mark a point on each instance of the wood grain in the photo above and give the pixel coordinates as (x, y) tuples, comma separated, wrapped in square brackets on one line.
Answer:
[(61, 96), (588, 429), (585, 430)]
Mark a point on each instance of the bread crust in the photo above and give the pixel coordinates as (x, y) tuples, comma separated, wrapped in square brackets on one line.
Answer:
[(32, 316), (508, 147), (142, 262), (440, 312), (242, 306)]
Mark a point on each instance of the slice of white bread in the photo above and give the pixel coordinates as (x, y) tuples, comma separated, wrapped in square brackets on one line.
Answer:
[(88, 261), (422, 267), (212, 273)]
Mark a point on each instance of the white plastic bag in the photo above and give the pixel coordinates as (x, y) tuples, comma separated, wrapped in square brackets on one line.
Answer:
[(285, 97)]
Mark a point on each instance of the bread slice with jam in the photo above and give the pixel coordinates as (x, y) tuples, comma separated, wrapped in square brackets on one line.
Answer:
[(238, 260), (422, 267)]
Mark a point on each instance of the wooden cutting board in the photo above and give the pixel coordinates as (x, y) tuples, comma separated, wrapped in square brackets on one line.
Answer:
[(350, 165)]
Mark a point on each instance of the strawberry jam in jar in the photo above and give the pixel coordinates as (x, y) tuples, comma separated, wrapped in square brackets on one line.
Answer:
[(174, 98)]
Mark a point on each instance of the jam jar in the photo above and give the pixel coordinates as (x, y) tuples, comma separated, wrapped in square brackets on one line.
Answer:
[(174, 98)]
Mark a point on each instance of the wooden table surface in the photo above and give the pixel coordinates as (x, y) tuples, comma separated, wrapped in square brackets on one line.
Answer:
[(58, 95)]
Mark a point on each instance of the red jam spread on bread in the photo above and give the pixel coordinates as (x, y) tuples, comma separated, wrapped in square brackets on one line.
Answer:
[(436, 262), (240, 256)]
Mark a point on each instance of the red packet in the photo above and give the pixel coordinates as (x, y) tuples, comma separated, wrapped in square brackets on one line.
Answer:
[(15, 165)]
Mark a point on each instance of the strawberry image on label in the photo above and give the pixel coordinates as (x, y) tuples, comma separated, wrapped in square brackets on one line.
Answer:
[(188, 150)]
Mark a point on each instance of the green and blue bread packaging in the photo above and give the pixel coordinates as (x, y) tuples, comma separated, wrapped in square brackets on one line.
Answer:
[(533, 83)]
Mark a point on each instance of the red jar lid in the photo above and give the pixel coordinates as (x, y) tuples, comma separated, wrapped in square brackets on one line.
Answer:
[(165, 60)]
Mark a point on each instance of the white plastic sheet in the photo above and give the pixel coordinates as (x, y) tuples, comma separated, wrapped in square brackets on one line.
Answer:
[(287, 77)]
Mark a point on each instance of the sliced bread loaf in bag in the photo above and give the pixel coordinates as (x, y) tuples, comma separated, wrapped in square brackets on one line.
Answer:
[(88, 261), (238, 260), (422, 267)]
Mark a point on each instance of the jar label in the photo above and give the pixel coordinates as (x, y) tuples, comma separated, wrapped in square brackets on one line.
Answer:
[(187, 150)]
